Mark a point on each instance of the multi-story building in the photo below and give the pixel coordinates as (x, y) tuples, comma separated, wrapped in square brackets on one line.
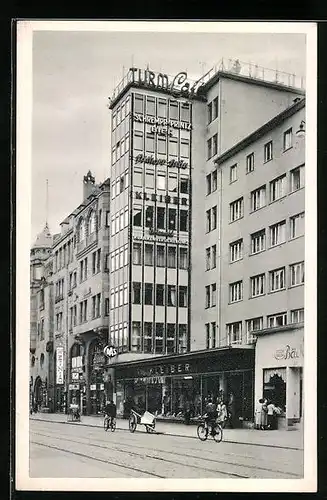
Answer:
[(165, 210), (261, 270)]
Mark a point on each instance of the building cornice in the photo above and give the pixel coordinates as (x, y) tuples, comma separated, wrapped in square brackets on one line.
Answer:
[(278, 329)]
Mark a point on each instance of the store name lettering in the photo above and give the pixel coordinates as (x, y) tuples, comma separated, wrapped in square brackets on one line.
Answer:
[(165, 369), (160, 161), (139, 195), (161, 122), (161, 81), (288, 353)]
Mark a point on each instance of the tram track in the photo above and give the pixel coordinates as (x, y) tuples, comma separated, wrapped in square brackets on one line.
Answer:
[(183, 455)]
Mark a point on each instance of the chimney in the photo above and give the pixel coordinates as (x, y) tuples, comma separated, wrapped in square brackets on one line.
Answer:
[(88, 184)]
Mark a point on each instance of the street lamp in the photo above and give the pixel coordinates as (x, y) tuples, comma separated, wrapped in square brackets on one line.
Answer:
[(301, 131)]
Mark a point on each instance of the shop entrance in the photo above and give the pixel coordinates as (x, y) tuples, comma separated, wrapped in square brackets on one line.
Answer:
[(274, 388)]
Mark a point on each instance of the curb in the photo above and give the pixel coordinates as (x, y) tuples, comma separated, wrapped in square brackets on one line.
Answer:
[(176, 435)]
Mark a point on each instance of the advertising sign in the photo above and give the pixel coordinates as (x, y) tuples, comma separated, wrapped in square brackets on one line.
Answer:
[(60, 365)]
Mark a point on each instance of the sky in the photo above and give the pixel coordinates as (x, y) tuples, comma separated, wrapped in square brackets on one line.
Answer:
[(74, 73)]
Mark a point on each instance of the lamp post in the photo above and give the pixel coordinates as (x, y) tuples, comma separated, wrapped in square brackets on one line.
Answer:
[(301, 131)]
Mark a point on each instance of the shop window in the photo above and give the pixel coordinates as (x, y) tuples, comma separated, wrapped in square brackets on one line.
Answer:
[(274, 386), (183, 258), (159, 337), (160, 294), (171, 338), (171, 295), (161, 216), (161, 254), (183, 220), (171, 257), (182, 296), (137, 216), (182, 338), (136, 336), (172, 214), (148, 294), (149, 216), (148, 342), (136, 299)]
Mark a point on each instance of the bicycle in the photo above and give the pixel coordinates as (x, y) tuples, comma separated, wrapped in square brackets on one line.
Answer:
[(109, 422), (216, 431)]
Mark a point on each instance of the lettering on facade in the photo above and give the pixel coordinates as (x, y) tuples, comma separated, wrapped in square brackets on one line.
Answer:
[(288, 353), (99, 358), (60, 365), (161, 124), (163, 240), (110, 351), (178, 84), (164, 370), (150, 160), (140, 195)]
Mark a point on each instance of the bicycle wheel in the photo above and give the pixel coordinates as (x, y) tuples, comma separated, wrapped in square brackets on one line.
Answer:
[(150, 427), (113, 425), (217, 433), (202, 432), (106, 424), (132, 423)]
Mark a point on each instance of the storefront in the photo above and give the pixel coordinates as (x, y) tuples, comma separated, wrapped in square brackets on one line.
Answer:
[(165, 386), (279, 371), (96, 397), (76, 387)]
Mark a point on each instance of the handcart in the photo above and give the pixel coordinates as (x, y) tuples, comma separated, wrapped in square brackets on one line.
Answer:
[(147, 419), (74, 413)]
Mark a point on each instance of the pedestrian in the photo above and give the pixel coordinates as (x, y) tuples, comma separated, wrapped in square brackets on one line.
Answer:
[(261, 415), (231, 410), (187, 411), (271, 415)]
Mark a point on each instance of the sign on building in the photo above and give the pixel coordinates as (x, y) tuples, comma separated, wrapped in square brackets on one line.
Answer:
[(60, 365)]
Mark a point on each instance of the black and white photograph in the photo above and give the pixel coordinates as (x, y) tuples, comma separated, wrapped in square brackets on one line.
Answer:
[(166, 256)]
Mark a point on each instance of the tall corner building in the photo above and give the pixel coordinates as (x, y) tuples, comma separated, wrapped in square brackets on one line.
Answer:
[(167, 212)]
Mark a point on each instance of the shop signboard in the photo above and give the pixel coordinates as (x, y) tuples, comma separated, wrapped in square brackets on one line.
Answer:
[(59, 365), (73, 387), (75, 376), (93, 387), (289, 352), (151, 160), (161, 123), (110, 351)]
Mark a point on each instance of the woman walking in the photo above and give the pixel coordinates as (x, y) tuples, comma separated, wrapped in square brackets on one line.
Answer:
[(261, 415)]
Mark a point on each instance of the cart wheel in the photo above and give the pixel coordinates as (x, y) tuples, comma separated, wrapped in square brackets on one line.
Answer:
[(132, 424)]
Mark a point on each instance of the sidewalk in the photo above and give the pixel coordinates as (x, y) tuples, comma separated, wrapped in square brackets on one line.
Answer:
[(277, 439)]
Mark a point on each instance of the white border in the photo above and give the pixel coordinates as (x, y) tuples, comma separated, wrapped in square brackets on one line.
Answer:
[(23, 212)]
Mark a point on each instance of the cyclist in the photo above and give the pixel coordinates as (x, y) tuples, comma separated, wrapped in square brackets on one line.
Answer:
[(110, 411), (211, 414)]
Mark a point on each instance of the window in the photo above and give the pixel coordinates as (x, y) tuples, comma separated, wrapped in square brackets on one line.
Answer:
[(236, 291), (136, 336), (136, 299), (214, 217), (171, 257), (208, 221), (138, 140), (161, 216), (183, 258), (162, 145), (236, 209), (277, 279), (160, 294), (268, 151), (159, 347), (172, 183), (250, 163), (171, 337), (277, 188), (258, 198), (126, 217), (211, 335), (147, 337), (171, 295), (137, 253), (287, 142), (213, 256), (214, 144), (150, 106), (257, 284), (276, 320), (137, 216), (173, 146), (208, 301), (183, 185), (297, 274), (138, 103), (297, 178), (208, 258), (236, 250), (209, 109), (215, 108), (233, 173), (277, 233), (182, 296), (209, 148), (125, 294), (149, 216), (214, 180), (185, 148), (106, 307), (138, 178), (172, 214), (148, 254), (297, 225), (149, 180), (253, 325), (208, 183), (162, 108), (148, 294), (98, 260), (258, 241), (234, 332), (173, 110), (213, 295), (149, 143), (161, 181), (297, 316), (92, 222), (93, 262), (182, 338), (161, 261), (183, 220)]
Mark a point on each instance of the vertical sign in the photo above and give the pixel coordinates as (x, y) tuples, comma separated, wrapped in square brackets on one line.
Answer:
[(60, 365)]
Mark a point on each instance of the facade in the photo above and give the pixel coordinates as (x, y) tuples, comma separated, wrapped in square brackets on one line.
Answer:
[(261, 279)]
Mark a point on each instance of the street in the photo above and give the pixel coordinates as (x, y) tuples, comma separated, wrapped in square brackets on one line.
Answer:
[(58, 450)]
